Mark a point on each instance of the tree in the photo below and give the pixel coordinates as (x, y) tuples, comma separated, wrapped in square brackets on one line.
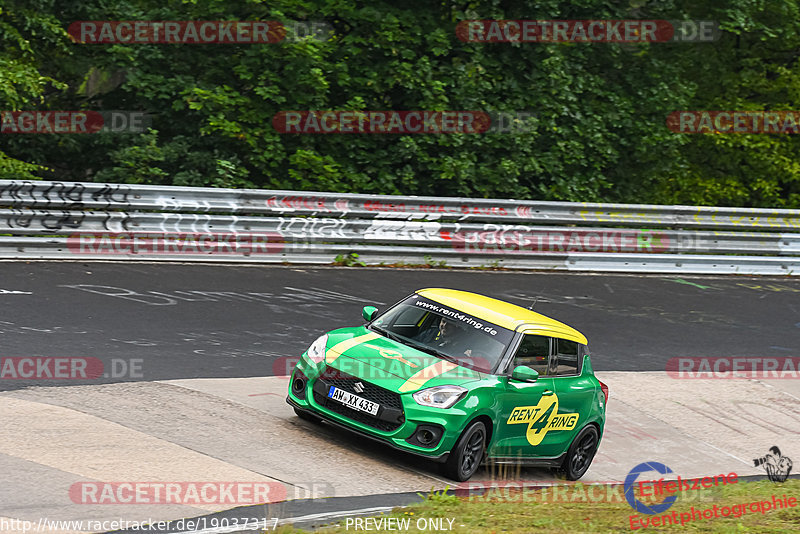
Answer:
[(33, 44)]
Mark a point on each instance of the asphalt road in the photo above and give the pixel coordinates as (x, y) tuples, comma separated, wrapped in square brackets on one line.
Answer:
[(149, 322), (159, 328)]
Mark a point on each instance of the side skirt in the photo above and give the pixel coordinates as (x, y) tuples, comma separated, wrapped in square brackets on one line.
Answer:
[(555, 461)]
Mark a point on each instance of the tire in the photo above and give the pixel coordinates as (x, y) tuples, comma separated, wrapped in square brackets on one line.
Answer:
[(580, 454), (305, 416), (466, 456)]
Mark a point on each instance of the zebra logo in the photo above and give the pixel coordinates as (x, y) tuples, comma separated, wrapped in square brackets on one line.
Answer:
[(777, 467)]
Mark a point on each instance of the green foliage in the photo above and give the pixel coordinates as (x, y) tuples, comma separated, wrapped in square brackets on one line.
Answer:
[(440, 497), (33, 43), (597, 133), (430, 262), (753, 67), (349, 260)]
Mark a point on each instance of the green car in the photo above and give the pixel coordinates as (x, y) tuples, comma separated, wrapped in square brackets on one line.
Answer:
[(459, 378)]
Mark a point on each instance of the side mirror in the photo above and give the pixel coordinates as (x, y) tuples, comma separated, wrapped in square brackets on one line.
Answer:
[(369, 312), (522, 373)]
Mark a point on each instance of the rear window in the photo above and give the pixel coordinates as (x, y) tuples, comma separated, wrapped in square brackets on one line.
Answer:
[(567, 357)]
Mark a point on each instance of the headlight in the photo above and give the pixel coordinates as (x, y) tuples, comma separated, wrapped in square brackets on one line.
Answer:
[(439, 396), (316, 352)]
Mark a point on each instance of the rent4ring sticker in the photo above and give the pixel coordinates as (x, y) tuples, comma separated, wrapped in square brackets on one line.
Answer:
[(542, 418)]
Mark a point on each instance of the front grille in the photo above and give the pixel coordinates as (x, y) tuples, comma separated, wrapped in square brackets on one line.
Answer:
[(390, 415), (384, 397)]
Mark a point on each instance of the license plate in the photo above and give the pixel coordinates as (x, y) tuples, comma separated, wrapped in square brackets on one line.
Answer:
[(353, 401)]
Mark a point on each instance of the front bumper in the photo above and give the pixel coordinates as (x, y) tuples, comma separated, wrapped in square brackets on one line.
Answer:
[(394, 425), (441, 458)]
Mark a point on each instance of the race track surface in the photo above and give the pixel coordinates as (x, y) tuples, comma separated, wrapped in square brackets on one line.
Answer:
[(205, 401), (198, 321)]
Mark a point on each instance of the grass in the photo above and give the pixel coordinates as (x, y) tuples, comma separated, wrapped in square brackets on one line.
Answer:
[(523, 511)]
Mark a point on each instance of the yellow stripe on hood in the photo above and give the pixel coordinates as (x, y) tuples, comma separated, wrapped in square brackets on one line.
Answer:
[(335, 351), (422, 376)]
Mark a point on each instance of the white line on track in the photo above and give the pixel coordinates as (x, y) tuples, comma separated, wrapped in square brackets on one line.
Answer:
[(266, 524)]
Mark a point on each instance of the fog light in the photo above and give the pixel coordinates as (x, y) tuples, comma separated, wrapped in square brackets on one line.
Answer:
[(427, 436), (299, 385)]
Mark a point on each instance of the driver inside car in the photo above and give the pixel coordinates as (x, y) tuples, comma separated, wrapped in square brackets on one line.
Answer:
[(446, 336)]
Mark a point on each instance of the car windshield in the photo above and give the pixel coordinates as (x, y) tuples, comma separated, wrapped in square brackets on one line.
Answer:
[(445, 332)]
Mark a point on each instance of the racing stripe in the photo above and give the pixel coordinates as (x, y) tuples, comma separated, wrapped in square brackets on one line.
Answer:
[(335, 351), (419, 378)]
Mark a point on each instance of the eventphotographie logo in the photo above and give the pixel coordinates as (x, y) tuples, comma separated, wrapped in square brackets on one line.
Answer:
[(777, 466), (630, 483)]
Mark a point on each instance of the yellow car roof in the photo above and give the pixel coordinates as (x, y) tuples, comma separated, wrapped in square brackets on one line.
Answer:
[(502, 313)]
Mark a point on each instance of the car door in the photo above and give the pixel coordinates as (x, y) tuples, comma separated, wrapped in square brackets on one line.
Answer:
[(525, 407), (576, 391)]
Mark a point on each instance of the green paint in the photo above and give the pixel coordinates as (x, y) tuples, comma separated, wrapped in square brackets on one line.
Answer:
[(401, 369), (682, 281)]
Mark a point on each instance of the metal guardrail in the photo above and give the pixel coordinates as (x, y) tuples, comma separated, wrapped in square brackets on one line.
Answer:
[(54, 220)]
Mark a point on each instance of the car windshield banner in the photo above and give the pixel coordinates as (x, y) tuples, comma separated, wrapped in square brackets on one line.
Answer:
[(497, 332)]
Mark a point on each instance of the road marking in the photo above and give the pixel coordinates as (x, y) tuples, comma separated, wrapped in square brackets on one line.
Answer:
[(335, 515), (682, 281), (264, 523)]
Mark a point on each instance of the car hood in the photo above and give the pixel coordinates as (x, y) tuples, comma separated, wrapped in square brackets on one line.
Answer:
[(390, 364)]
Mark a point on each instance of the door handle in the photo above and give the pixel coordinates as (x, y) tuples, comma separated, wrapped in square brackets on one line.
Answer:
[(546, 393)]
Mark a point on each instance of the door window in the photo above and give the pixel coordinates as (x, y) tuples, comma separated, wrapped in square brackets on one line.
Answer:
[(566, 357), (534, 352)]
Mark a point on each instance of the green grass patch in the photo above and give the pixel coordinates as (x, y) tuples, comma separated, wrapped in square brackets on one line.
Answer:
[(582, 508)]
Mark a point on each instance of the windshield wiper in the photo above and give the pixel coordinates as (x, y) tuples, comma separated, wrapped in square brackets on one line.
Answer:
[(434, 352), (390, 335), (444, 356), (418, 346)]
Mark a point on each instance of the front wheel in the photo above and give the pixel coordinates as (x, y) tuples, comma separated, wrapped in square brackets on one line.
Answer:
[(580, 454), (466, 456)]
